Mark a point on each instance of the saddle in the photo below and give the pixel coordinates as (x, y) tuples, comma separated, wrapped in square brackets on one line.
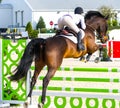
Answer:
[(66, 31)]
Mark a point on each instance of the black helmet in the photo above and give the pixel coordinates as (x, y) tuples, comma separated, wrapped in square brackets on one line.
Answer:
[(78, 10)]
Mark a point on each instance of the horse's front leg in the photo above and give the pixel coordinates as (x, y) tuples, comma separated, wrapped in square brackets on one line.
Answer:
[(46, 81), (88, 57), (92, 49), (82, 58), (100, 51), (100, 48)]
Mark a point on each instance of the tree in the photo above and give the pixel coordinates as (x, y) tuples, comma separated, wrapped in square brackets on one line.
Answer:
[(107, 11), (32, 33), (0, 1), (41, 23), (29, 28)]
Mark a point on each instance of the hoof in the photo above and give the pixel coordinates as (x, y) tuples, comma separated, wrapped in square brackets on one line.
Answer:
[(40, 105), (25, 105), (97, 60), (27, 102)]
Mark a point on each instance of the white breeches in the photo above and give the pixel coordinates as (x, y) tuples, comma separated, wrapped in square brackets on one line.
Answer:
[(68, 21)]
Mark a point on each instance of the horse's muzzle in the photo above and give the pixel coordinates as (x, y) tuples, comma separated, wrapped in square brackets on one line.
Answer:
[(104, 39)]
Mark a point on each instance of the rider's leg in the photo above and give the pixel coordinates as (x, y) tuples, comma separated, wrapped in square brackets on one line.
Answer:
[(70, 23), (80, 45)]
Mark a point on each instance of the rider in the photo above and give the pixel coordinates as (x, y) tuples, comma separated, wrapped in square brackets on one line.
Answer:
[(76, 23)]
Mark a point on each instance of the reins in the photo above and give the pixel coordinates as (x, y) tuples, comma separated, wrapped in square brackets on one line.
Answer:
[(95, 31), (91, 27)]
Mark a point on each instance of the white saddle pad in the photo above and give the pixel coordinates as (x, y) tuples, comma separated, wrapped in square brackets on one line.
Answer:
[(72, 37)]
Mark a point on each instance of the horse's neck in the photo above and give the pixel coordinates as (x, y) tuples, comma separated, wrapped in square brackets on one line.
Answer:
[(90, 27), (93, 25), (90, 31)]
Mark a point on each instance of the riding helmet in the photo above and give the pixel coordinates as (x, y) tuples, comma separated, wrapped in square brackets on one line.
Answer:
[(78, 10)]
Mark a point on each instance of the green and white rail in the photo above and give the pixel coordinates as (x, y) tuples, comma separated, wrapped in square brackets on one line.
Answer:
[(71, 87)]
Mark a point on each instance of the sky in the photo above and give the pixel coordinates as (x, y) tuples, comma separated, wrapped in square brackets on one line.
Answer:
[(71, 4), (55, 6)]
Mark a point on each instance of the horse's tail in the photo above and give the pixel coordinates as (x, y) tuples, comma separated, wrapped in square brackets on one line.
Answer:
[(32, 51)]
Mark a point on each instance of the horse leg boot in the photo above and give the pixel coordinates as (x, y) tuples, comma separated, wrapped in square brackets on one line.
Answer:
[(80, 45), (88, 57)]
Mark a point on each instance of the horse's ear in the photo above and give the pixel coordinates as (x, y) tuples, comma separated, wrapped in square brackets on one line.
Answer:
[(107, 17)]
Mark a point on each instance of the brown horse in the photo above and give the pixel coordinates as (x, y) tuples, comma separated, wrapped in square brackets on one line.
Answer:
[(51, 51), (90, 17)]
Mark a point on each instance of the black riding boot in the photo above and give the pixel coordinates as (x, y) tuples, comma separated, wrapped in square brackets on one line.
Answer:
[(80, 45)]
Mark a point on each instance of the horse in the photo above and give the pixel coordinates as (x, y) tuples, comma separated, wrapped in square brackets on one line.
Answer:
[(51, 51), (87, 21)]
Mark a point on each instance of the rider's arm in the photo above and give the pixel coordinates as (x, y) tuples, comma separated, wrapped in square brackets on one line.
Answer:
[(83, 25)]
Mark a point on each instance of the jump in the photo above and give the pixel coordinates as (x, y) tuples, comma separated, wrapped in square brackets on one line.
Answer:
[(50, 52)]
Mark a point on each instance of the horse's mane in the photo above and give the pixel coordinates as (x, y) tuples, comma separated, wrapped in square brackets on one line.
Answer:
[(90, 14)]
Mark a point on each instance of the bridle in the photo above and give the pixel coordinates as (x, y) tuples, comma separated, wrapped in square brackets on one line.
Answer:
[(97, 34)]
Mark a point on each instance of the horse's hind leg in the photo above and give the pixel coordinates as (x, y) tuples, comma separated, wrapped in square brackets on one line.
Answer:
[(38, 68), (49, 75)]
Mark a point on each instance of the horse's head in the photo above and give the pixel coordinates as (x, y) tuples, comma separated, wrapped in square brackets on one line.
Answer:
[(99, 23)]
